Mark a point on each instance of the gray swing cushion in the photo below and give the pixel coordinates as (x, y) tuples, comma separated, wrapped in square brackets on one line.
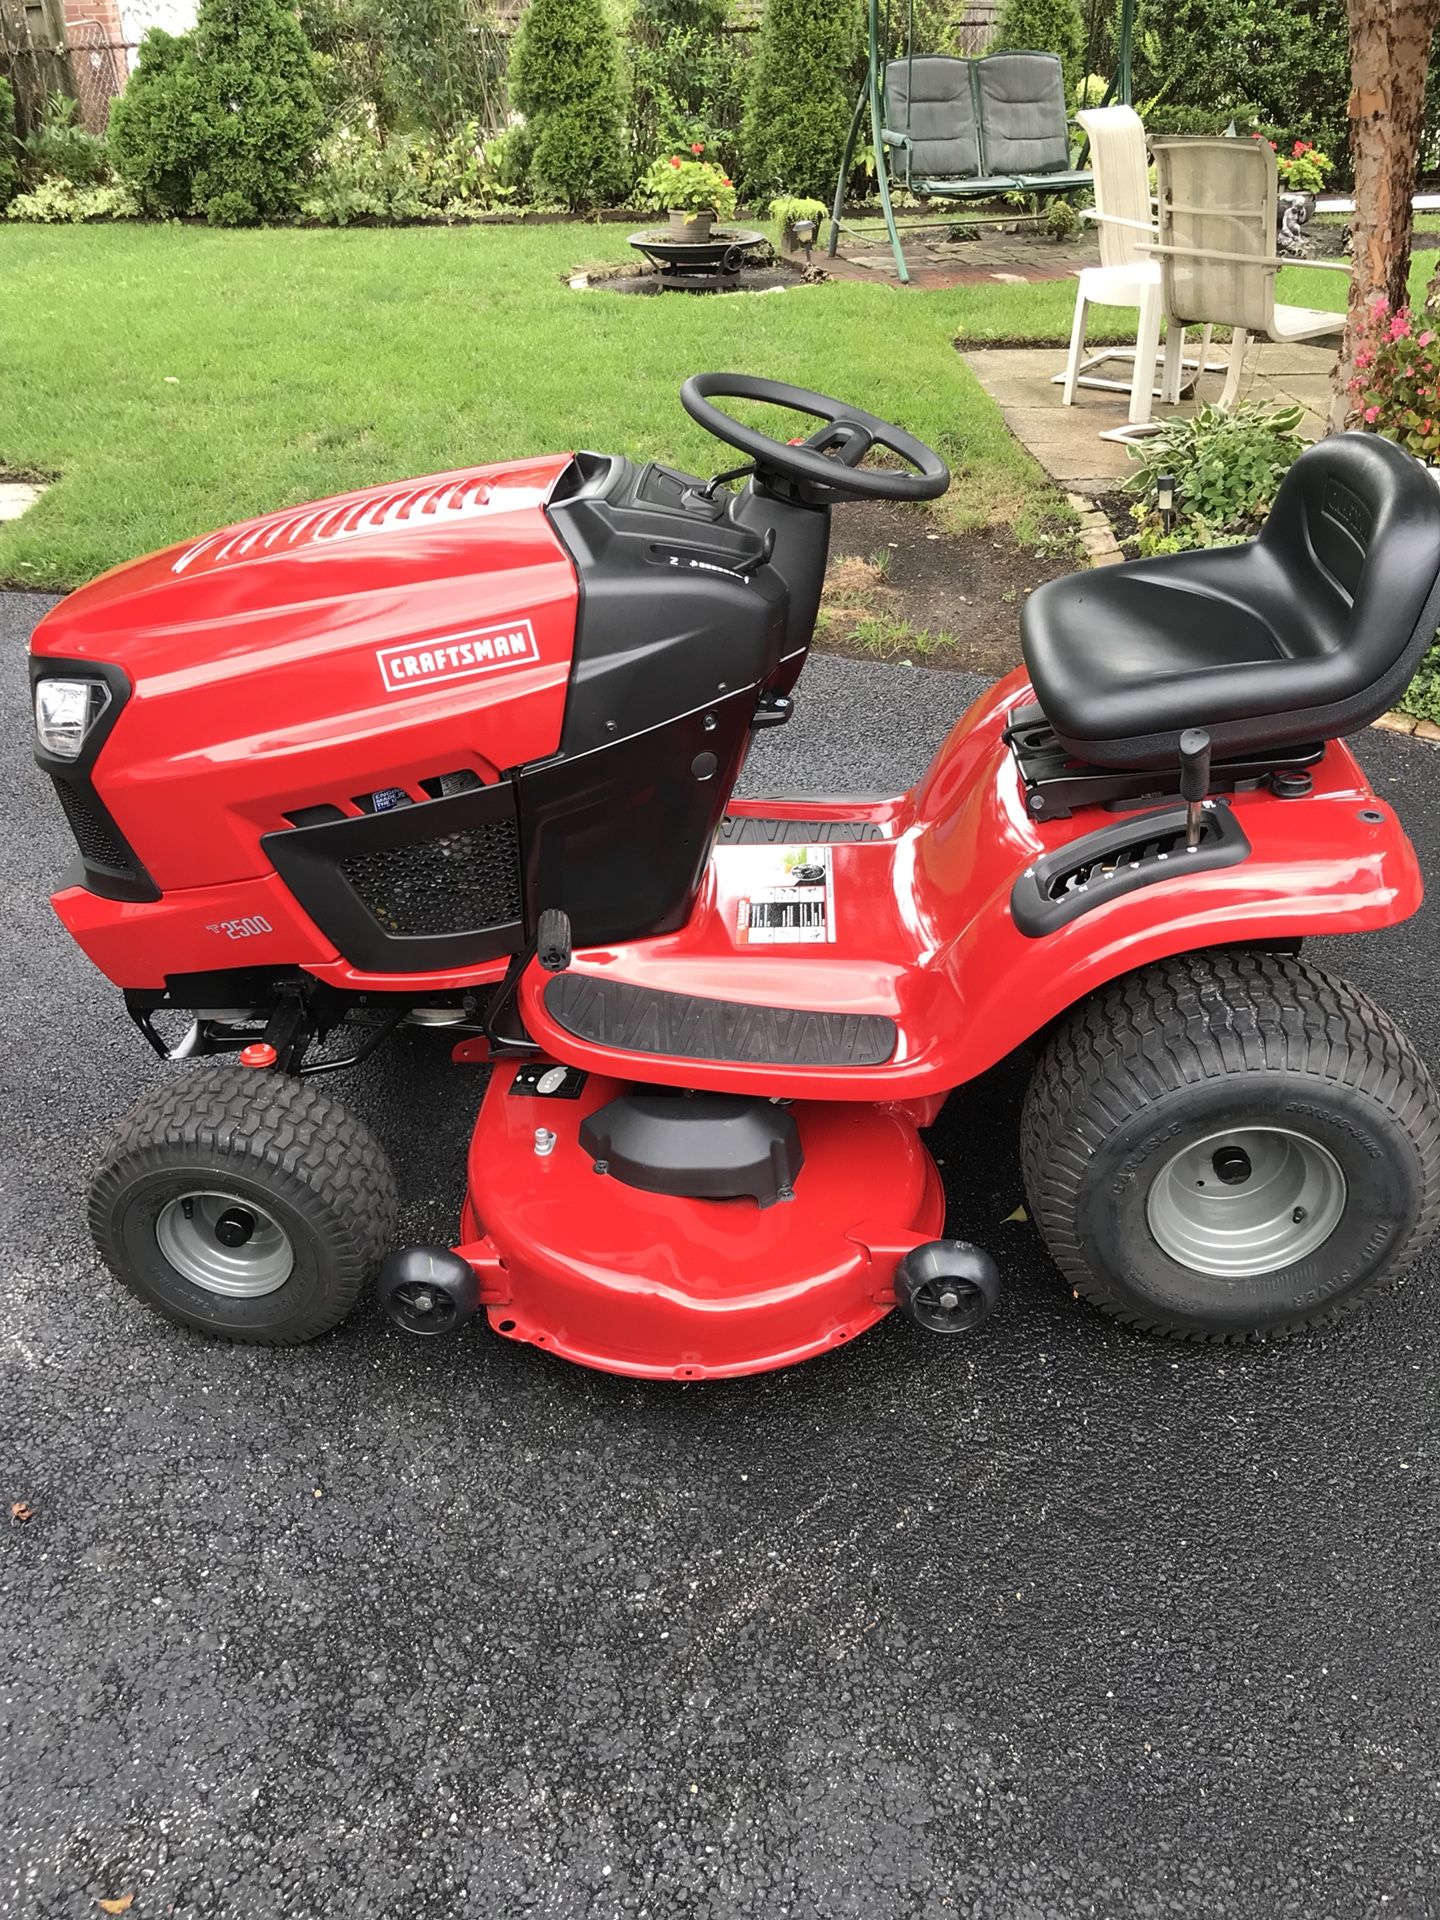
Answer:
[(1022, 106), (929, 99)]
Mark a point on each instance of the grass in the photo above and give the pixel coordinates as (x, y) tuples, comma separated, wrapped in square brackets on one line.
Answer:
[(174, 378)]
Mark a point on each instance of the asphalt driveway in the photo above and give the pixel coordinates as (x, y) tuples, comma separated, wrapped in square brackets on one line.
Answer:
[(1060, 1621)]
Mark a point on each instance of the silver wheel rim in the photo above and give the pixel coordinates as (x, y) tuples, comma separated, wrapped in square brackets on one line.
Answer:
[(1246, 1201), (192, 1233)]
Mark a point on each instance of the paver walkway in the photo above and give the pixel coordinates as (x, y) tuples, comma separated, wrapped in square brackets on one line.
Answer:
[(1066, 440)]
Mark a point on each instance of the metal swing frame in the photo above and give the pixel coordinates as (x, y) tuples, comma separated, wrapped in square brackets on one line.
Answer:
[(959, 186)]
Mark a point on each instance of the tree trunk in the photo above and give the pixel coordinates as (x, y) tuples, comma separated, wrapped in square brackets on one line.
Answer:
[(1389, 56)]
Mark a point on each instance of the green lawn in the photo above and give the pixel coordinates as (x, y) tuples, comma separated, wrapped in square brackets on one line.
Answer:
[(176, 378)]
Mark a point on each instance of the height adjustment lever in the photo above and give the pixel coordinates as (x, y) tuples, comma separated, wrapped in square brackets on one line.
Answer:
[(1194, 782)]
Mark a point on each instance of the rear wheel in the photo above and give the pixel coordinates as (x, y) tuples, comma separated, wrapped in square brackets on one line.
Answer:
[(246, 1205), (1229, 1145)]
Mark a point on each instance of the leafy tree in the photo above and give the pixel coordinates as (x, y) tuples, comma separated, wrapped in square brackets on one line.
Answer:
[(799, 99), (565, 79), (222, 121), (1044, 26)]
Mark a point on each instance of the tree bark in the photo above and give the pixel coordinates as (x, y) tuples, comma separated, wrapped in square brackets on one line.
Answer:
[(1389, 57)]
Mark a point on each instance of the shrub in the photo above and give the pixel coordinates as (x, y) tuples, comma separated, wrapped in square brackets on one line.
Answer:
[(1422, 696), (1226, 468), (1396, 382), (404, 178), (58, 149), (9, 146), (1044, 26), (565, 79), (799, 100), (261, 108), (687, 76), (1283, 64), (787, 210), (222, 121), (154, 125), (57, 200)]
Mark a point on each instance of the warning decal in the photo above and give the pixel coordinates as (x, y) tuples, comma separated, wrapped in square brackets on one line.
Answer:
[(789, 897)]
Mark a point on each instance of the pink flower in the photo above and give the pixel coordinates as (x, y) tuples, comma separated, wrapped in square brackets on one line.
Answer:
[(698, 147), (1364, 357), (1425, 338), (1400, 327), (1372, 414)]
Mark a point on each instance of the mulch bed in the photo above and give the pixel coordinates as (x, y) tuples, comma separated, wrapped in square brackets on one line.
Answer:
[(969, 585)]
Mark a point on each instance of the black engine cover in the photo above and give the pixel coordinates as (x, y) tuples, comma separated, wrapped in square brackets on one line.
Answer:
[(700, 1146)]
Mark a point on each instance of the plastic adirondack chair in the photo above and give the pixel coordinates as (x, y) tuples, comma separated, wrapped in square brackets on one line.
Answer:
[(1127, 275), (1216, 248)]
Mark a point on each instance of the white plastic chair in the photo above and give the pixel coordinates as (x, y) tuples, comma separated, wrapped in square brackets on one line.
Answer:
[(1215, 246), (1128, 274)]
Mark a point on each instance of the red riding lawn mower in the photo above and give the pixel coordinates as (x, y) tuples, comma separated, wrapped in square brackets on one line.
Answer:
[(462, 753)]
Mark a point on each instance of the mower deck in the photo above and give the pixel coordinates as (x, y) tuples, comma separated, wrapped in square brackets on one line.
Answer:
[(667, 1287)]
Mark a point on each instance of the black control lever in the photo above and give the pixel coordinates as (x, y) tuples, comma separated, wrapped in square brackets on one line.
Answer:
[(1194, 782)]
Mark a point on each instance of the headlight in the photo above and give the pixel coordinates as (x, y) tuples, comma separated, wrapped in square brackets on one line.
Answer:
[(65, 711)]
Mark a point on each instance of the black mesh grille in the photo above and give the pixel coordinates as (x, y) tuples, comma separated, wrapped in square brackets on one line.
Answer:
[(100, 845), (458, 883)]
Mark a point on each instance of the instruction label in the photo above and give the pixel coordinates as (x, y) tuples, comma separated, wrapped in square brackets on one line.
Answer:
[(789, 897)]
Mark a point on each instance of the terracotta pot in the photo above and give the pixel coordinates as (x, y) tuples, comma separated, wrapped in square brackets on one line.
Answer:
[(691, 226)]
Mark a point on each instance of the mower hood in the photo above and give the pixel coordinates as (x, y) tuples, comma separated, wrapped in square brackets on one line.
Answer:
[(385, 564)]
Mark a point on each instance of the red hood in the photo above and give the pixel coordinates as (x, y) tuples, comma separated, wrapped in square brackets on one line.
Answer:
[(409, 630), (391, 552)]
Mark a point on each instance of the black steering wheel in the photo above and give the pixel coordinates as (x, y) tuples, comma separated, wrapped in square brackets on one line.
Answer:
[(830, 457)]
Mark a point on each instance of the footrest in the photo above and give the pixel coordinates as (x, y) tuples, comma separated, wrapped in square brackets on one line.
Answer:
[(611, 1013), (765, 829)]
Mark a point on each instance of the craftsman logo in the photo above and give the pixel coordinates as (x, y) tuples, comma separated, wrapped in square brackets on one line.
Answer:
[(458, 656)]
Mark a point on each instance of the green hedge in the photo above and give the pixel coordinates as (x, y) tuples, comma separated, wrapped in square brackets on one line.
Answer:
[(223, 121), (565, 79), (800, 97)]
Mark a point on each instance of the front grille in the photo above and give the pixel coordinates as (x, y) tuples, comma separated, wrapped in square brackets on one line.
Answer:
[(459, 883), (99, 843)]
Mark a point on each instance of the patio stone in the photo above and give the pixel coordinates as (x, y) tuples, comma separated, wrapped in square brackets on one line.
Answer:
[(1396, 722), (1066, 440), (17, 497)]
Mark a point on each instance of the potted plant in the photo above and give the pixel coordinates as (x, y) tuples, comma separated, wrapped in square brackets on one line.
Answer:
[(1303, 172), (695, 191)]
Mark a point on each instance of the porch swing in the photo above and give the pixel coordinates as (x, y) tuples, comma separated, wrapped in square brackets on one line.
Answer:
[(967, 129)]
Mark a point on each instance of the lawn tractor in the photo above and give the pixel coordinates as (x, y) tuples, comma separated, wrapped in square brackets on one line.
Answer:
[(462, 753)]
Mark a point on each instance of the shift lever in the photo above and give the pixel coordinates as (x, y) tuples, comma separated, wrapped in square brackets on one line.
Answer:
[(1194, 782)]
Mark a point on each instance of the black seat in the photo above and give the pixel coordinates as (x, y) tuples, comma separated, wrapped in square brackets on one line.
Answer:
[(1306, 633)]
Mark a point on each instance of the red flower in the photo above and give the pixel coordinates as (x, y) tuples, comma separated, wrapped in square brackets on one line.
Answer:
[(675, 160), (725, 180), (699, 147), (1300, 146)]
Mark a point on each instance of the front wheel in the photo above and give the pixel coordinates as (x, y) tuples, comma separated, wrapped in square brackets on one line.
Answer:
[(1228, 1145), (245, 1205)]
